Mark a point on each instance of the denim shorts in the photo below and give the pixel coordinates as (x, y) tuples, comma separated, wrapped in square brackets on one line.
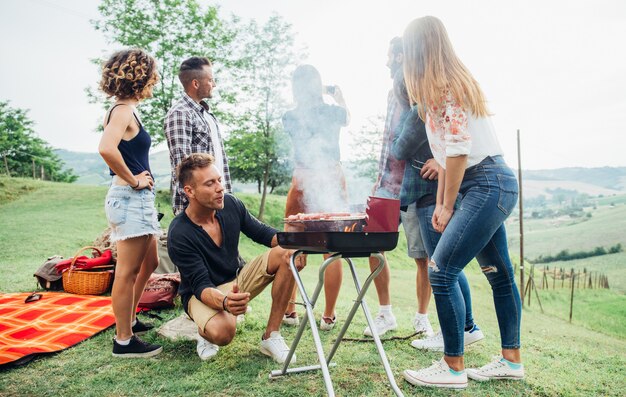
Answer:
[(131, 213), (414, 240)]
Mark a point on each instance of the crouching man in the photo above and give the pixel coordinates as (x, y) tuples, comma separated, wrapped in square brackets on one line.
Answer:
[(203, 242)]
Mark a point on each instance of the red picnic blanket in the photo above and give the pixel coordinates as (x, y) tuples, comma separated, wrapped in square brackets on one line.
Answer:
[(51, 324)]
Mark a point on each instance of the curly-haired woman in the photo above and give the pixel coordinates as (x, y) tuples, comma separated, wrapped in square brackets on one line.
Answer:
[(465, 145), (129, 76)]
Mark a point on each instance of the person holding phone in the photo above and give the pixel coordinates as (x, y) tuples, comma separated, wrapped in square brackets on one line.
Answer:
[(318, 183), (203, 241), (129, 76)]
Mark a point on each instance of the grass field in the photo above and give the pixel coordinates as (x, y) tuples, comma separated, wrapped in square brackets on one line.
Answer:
[(587, 357)]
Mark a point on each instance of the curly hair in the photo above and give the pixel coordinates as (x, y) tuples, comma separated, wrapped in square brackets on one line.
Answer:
[(129, 74)]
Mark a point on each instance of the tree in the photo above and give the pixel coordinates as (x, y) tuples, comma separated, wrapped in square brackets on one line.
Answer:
[(171, 31), (24, 153), (368, 139), (257, 145)]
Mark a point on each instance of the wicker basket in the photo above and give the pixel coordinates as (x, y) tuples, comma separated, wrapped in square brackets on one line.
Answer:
[(94, 281)]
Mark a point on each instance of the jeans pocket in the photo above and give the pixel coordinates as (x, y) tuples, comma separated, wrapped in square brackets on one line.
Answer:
[(508, 193), (116, 209)]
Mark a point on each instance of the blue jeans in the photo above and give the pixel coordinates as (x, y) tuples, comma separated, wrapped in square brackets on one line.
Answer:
[(488, 193), (430, 237)]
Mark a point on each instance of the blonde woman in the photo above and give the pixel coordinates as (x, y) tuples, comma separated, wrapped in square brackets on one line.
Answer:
[(129, 76), (464, 143)]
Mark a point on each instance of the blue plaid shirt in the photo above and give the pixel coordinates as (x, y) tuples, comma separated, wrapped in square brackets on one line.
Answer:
[(411, 144)]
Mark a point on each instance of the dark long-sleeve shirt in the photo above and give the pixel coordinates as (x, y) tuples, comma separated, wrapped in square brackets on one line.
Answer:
[(202, 264)]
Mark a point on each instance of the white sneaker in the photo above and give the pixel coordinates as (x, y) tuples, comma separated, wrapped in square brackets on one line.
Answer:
[(473, 335), (422, 324), (382, 323), (435, 342), (291, 319), (206, 350), (324, 326), (498, 368), (437, 375), (275, 347)]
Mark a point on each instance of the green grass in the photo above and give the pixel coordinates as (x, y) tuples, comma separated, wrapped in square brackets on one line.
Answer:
[(561, 359)]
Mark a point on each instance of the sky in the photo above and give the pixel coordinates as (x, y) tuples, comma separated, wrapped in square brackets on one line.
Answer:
[(552, 69)]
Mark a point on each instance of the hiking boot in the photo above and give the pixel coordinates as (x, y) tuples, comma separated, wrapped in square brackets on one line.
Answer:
[(136, 348), (141, 328), (498, 368), (437, 375), (291, 319), (206, 350), (275, 347), (422, 324), (327, 323), (473, 335), (382, 323)]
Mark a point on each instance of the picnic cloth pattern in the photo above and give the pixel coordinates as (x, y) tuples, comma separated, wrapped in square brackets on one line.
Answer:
[(53, 323)]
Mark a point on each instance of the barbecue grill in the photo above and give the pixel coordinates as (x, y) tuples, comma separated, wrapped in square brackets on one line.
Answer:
[(353, 236)]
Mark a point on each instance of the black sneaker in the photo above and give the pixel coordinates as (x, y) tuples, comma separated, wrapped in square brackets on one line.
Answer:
[(141, 328), (136, 348)]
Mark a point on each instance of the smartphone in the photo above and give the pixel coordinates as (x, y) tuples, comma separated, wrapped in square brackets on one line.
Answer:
[(330, 89)]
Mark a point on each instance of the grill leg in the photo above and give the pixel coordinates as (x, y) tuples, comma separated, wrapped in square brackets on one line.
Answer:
[(360, 301), (309, 304)]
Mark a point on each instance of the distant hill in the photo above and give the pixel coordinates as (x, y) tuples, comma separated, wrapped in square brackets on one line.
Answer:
[(605, 181)]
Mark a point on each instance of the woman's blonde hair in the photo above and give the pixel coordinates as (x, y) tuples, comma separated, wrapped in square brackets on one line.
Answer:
[(129, 74), (431, 68)]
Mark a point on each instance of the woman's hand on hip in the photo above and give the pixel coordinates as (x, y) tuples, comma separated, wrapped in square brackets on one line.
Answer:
[(145, 181)]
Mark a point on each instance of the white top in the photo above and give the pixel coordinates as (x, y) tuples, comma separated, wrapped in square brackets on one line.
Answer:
[(453, 132), (217, 153)]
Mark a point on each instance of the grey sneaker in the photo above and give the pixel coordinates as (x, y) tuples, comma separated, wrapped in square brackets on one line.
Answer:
[(437, 375), (382, 323), (498, 368), (422, 324), (275, 347)]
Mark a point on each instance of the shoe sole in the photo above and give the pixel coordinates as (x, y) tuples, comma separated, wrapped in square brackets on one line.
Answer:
[(269, 354), (430, 349), (139, 355), (417, 382), (473, 341), (291, 323), (479, 378)]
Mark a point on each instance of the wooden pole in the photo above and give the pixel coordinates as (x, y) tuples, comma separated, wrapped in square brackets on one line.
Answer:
[(34, 168), (521, 219), (42, 175), (554, 279), (571, 299), (6, 165), (562, 278), (537, 294)]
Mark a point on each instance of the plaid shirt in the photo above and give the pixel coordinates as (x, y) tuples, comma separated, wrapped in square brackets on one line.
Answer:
[(411, 144), (390, 169), (187, 131)]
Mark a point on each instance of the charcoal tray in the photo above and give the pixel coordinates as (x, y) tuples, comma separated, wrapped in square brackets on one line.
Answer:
[(354, 243)]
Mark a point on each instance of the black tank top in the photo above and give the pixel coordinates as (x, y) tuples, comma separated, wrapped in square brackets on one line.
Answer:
[(135, 151)]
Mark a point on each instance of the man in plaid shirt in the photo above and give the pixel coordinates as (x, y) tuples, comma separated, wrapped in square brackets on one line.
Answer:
[(390, 184), (190, 127)]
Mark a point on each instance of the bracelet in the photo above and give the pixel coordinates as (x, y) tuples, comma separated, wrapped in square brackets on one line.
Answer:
[(137, 185), (224, 304)]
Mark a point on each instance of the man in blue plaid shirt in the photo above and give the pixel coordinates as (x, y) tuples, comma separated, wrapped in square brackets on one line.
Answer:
[(392, 182), (190, 127)]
